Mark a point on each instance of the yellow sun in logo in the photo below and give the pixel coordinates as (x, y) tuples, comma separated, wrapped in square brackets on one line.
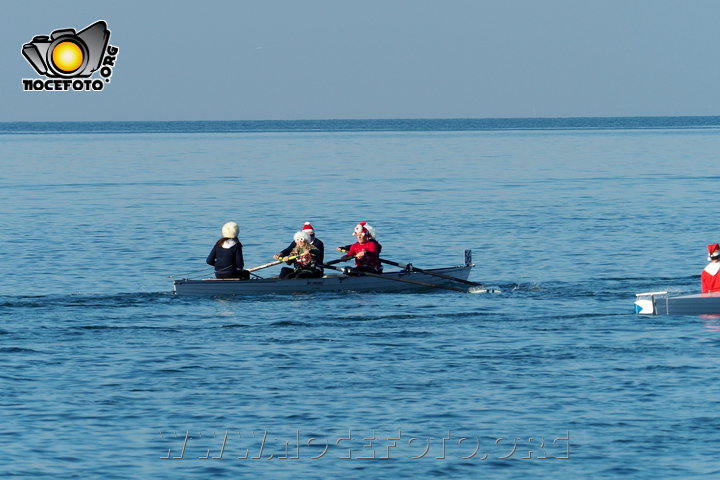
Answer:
[(67, 56)]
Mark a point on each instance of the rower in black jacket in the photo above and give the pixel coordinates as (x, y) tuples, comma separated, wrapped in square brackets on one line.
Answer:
[(227, 255), (316, 242)]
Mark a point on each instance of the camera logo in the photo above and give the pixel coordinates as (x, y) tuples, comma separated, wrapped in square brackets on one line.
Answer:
[(67, 57)]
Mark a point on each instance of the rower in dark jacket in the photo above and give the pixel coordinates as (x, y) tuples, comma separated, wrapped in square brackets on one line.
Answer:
[(315, 242), (227, 255), (304, 259)]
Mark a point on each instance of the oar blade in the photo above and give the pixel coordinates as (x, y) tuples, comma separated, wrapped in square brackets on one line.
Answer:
[(483, 290)]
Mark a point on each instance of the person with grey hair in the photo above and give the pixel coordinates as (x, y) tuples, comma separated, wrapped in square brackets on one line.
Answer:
[(304, 261), (316, 242)]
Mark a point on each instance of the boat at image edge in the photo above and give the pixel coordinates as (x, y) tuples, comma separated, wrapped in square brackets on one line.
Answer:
[(661, 303)]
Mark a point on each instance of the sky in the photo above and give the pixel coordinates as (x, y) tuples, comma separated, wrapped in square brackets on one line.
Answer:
[(337, 59)]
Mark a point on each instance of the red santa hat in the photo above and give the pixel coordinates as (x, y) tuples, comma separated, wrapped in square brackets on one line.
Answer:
[(364, 227), (713, 250), (307, 228)]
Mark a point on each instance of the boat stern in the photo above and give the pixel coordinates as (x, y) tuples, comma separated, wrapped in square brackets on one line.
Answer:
[(468, 258), (646, 303)]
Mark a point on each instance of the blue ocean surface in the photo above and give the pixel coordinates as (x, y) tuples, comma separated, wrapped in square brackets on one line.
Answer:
[(106, 374)]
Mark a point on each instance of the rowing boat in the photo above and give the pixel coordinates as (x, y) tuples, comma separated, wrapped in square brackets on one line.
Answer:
[(661, 303), (396, 281)]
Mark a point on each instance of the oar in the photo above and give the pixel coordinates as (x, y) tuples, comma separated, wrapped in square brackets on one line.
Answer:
[(269, 264), (413, 282), (333, 262), (419, 270), (427, 272)]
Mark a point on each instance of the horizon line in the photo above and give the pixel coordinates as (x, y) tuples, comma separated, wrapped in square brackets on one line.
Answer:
[(599, 117)]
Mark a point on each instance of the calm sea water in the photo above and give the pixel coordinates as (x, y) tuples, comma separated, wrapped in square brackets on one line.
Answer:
[(105, 373)]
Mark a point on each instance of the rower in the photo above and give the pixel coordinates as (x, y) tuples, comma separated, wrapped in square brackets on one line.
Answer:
[(227, 254), (366, 251), (314, 241), (709, 278), (304, 258)]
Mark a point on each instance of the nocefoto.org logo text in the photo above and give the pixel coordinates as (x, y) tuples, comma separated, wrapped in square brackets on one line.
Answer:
[(68, 59)]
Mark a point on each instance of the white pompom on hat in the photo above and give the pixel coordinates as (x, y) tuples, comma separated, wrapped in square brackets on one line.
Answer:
[(365, 227), (307, 228), (230, 230), (301, 235)]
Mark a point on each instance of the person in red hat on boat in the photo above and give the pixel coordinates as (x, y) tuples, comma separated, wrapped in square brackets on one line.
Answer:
[(366, 251), (314, 241), (305, 261), (710, 278)]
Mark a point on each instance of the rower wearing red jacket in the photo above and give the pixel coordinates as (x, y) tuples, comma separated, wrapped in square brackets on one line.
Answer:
[(366, 251), (710, 278)]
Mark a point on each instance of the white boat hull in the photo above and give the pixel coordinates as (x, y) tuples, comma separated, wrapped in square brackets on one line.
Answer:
[(661, 303)]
